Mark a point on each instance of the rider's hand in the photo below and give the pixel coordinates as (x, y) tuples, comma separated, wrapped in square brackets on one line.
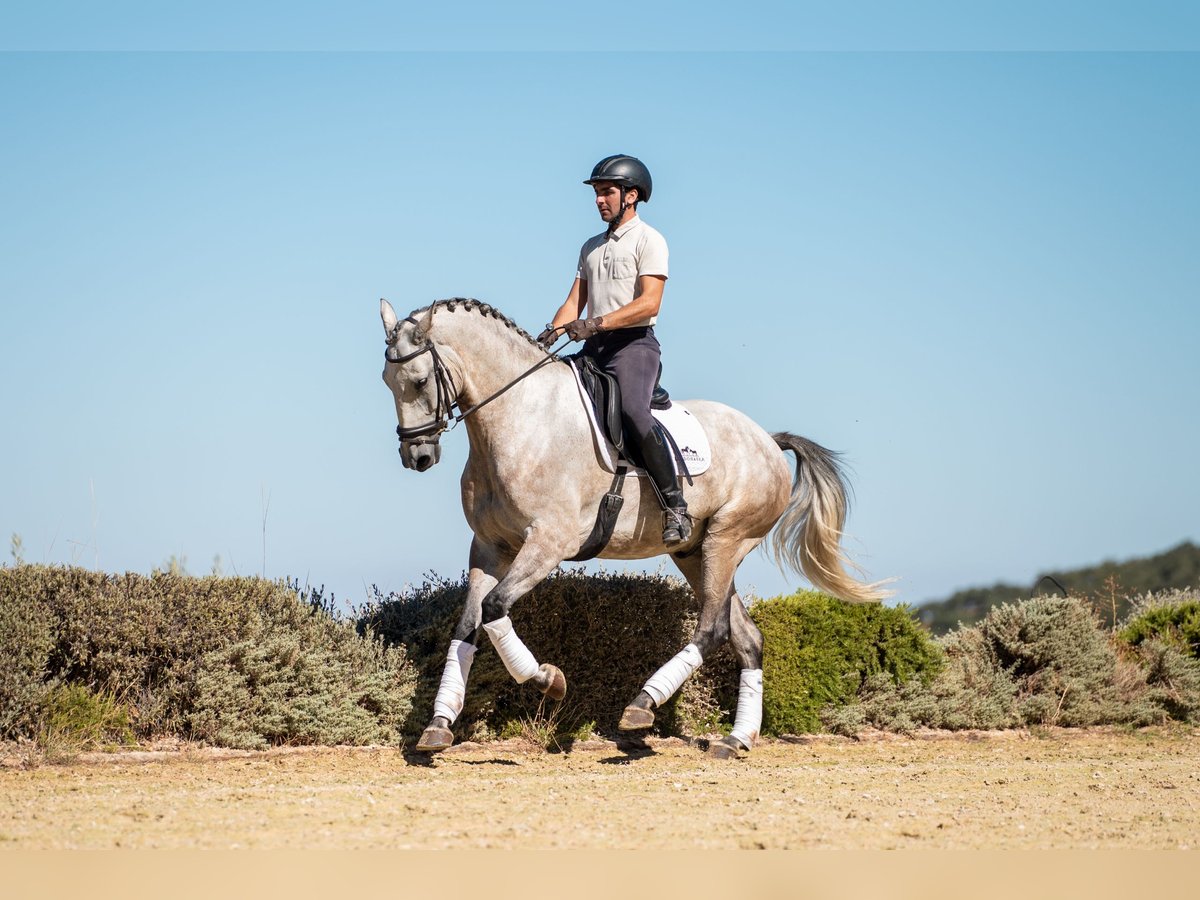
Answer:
[(548, 336), (582, 329)]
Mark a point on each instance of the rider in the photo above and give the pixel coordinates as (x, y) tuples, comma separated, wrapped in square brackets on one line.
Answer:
[(620, 279)]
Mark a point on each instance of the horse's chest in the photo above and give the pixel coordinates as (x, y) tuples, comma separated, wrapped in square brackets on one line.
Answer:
[(495, 510)]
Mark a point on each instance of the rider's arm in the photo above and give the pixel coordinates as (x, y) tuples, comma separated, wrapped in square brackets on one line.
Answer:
[(647, 298), (573, 306)]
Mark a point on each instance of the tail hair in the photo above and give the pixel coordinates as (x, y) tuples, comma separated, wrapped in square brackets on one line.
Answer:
[(807, 538)]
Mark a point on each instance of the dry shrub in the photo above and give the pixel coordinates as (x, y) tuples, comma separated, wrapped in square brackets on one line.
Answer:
[(301, 677), (973, 690), (607, 632), (1044, 661), (1060, 659), (174, 649), (1172, 681), (26, 642)]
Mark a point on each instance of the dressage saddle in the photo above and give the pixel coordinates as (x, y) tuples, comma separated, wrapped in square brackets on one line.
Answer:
[(605, 394)]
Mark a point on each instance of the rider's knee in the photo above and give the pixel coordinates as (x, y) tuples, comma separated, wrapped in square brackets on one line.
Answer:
[(641, 426)]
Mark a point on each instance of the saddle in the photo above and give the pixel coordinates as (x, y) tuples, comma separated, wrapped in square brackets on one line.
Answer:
[(605, 394)]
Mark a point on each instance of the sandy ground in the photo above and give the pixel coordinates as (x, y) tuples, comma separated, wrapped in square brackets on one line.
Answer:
[(1051, 789)]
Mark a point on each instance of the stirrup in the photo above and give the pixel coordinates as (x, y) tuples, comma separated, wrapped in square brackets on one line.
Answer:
[(677, 526)]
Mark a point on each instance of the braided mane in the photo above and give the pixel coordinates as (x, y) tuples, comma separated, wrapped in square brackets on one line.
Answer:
[(484, 309)]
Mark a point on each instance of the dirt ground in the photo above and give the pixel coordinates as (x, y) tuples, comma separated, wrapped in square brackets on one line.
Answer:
[(1049, 789)]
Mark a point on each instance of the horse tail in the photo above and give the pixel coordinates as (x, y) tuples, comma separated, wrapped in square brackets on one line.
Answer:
[(808, 534)]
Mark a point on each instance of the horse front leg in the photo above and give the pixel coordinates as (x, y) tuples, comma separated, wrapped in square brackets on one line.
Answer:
[(487, 568), (536, 559)]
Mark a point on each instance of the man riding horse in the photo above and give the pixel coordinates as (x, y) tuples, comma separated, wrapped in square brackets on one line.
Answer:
[(531, 504), (619, 280)]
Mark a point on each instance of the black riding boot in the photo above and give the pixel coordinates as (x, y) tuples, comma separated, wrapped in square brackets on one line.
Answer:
[(656, 458)]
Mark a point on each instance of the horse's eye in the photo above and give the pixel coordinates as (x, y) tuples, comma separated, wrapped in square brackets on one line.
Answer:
[(421, 382)]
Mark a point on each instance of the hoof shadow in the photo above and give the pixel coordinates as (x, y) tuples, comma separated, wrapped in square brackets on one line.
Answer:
[(632, 748)]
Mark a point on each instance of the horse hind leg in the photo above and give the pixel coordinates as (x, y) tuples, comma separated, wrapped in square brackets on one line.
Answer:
[(747, 643), (711, 576)]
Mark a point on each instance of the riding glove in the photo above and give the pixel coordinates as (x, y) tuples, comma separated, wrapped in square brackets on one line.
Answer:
[(548, 336), (582, 329)]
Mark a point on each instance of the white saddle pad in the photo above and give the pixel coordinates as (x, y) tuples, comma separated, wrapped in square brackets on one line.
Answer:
[(683, 427)]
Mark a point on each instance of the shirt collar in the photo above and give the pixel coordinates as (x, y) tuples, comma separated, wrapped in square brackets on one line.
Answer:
[(627, 227)]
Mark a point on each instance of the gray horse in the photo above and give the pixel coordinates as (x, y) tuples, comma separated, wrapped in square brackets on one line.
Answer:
[(531, 488)]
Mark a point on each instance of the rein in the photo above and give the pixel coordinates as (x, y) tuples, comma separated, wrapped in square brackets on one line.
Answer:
[(447, 394)]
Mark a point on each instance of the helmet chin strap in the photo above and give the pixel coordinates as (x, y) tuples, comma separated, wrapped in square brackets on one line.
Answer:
[(615, 222)]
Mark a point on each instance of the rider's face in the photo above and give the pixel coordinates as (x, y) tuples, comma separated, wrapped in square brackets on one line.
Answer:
[(608, 199)]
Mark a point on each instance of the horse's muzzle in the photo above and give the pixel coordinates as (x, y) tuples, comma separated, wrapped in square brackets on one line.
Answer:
[(420, 455)]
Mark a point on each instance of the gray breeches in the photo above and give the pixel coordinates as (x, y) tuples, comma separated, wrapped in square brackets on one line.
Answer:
[(631, 355)]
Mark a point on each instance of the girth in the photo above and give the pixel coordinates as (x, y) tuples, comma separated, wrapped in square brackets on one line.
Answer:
[(606, 519)]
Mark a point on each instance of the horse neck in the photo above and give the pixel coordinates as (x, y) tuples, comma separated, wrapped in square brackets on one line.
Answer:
[(511, 433), (486, 355)]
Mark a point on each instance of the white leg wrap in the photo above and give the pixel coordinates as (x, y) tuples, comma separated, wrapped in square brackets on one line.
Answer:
[(749, 708), (452, 692), (666, 681), (515, 655)]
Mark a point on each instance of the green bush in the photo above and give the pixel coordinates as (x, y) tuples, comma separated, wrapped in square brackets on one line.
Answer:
[(1169, 616), (78, 717), (818, 651), (236, 660)]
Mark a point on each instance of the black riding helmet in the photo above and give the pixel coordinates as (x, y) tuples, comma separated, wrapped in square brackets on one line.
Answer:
[(626, 171)]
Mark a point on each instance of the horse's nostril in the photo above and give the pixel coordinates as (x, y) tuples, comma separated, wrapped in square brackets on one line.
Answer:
[(424, 462)]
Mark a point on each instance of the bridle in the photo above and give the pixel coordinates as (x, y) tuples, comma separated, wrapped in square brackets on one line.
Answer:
[(444, 417), (447, 393)]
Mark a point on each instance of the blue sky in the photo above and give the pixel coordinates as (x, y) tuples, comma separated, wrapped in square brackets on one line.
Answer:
[(972, 273)]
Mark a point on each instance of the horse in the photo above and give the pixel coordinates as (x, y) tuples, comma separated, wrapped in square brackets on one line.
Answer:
[(532, 484)]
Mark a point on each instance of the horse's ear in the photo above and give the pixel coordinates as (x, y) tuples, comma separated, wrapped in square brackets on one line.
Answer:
[(425, 322), (389, 317)]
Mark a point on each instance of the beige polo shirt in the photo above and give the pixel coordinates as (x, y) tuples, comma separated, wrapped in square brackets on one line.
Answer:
[(611, 266)]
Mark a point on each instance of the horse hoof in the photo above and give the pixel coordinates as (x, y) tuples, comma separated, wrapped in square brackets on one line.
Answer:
[(552, 681), (435, 740), (634, 718), (723, 749)]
